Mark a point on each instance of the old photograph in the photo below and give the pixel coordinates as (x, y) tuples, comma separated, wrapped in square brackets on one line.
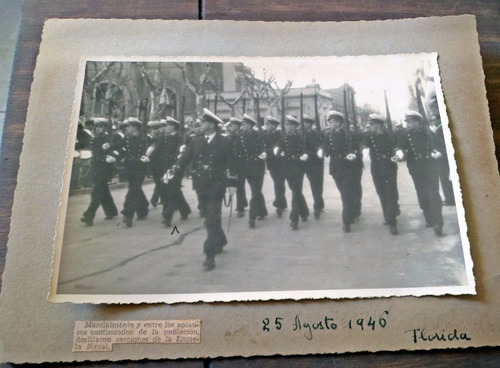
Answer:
[(261, 178)]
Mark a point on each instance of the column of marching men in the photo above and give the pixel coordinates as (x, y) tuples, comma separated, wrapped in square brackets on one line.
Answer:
[(220, 163)]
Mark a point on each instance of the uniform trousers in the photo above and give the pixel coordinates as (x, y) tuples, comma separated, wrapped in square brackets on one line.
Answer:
[(358, 190), (444, 177), (315, 175), (257, 202), (241, 196), (295, 180), (135, 200), (158, 188), (426, 181), (278, 177), (173, 199), (100, 196), (386, 186), (347, 184), (211, 204)]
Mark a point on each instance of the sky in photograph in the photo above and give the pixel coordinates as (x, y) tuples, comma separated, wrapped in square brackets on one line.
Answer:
[(368, 75)]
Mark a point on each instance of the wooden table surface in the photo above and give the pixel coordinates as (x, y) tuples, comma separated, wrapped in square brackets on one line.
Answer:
[(36, 11)]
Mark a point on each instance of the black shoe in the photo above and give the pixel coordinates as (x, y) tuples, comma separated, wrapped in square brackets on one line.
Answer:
[(303, 218), (209, 263), (87, 221), (166, 222), (260, 218), (251, 223), (127, 222), (140, 218), (394, 230), (438, 229), (184, 217), (347, 228), (279, 212), (110, 217), (294, 225), (317, 213), (154, 203), (240, 214)]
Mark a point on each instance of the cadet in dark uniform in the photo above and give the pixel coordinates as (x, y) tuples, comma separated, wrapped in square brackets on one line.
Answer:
[(173, 198), (234, 130), (212, 156), (275, 164), (131, 152), (314, 166), (157, 166), (290, 149), (439, 143), (250, 153), (101, 172), (421, 158), (384, 168), (343, 151)]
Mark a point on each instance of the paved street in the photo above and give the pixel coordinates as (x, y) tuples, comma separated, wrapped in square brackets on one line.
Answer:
[(108, 258)]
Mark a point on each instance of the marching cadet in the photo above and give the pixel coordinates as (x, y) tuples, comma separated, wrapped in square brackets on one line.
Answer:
[(173, 198), (131, 152), (212, 157), (415, 142), (342, 146), (101, 172), (439, 143), (250, 152), (234, 130), (384, 168), (291, 152), (116, 141), (314, 167), (156, 164), (275, 165)]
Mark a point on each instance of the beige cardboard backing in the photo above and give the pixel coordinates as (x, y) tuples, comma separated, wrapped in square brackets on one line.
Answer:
[(33, 330)]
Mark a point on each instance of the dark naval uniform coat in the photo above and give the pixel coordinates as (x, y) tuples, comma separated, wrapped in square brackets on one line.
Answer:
[(101, 173), (384, 172), (345, 173), (210, 164), (424, 170), (291, 146), (130, 152), (172, 196), (251, 168), (241, 197), (314, 168), (276, 169)]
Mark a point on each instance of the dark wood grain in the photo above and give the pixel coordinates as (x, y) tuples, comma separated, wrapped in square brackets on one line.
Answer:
[(487, 14), (36, 11)]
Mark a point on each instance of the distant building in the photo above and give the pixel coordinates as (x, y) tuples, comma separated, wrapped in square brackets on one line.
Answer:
[(155, 90)]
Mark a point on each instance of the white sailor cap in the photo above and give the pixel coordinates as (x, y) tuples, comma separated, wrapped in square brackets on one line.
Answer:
[(308, 118), (211, 117), (332, 114), (292, 119), (377, 117), (249, 119), (272, 120), (154, 124), (413, 115), (172, 121)]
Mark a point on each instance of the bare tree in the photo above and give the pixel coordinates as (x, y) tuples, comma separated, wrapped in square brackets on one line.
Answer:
[(261, 90)]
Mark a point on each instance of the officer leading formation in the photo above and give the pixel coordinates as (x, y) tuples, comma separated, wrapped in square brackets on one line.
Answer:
[(220, 165)]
